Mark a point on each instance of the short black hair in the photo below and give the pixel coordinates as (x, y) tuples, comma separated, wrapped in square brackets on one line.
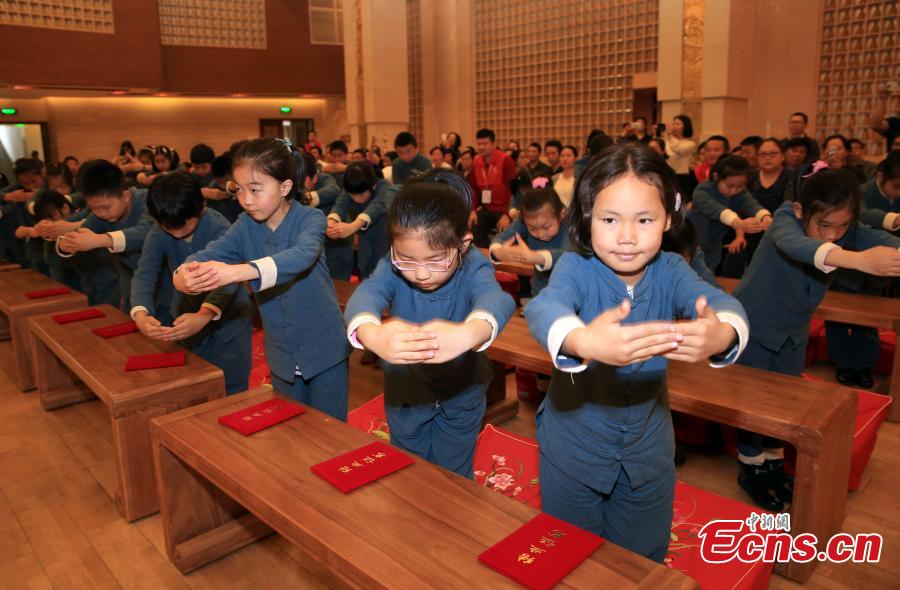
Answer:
[(533, 200), (60, 169), (100, 178), (728, 166), (720, 138), (842, 138), (889, 168), (175, 198), (47, 202), (485, 133), (683, 240), (570, 147), (67, 158), (221, 166), (309, 166), (599, 143), (360, 151), (405, 138), (553, 143), (802, 115), (202, 154), (796, 142), (359, 177), (392, 155), (827, 190), (593, 134), (432, 208), (687, 124), (27, 165), (752, 140), (535, 144), (778, 143), (337, 144)]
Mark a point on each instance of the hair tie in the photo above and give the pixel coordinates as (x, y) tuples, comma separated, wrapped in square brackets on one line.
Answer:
[(677, 201), (287, 143), (540, 182), (816, 167)]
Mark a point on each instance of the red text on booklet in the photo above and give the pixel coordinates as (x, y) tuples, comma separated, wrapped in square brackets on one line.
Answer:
[(77, 316), (115, 330), (160, 360), (259, 416), (364, 465), (541, 552), (40, 294)]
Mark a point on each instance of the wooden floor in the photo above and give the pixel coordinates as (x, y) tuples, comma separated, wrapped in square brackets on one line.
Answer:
[(59, 527)]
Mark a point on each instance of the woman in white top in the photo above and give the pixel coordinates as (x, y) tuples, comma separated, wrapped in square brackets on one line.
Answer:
[(680, 149), (564, 182)]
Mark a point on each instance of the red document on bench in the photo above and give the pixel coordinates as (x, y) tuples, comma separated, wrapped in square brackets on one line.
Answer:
[(541, 552), (364, 465), (160, 360), (115, 330), (77, 316), (260, 416), (40, 294)]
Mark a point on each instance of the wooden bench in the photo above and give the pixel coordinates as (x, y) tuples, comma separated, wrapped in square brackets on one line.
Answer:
[(421, 527), (5, 266), (817, 418), (71, 365), (499, 407), (863, 310), (15, 308)]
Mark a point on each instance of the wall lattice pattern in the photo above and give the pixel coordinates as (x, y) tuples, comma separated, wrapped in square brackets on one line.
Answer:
[(204, 23), (95, 16), (414, 52)]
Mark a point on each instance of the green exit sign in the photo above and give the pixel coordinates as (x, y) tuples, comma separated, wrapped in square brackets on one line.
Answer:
[(285, 109), (9, 111)]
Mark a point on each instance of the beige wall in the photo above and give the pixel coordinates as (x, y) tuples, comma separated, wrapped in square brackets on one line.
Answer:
[(93, 127)]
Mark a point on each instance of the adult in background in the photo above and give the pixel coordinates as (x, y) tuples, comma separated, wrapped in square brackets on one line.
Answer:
[(680, 148), (492, 173)]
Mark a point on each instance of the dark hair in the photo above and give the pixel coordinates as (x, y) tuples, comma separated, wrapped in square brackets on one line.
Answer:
[(642, 118), (126, 147), (614, 163), (553, 143), (721, 138), (599, 143), (60, 169), (535, 144), (361, 152), (47, 202), (778, 143), (858, 142), (837, 136), (514, 155), (67, 158), (688, 125), (593, 134), (754, 140), (311, 131), (99, 178), (456, 144), (889, 168), (337, 144), (274, 158), (827, 190), (147, 150), (533, 200), (440, 148), (391, 155), (662, 145), (405, 138), (802, 115), (729, 166), (221, 166), (570, 147), (485, 133), (169, 154), (359, 178), (315, 147), (309, 167), (682, 240), (432, 208), (26, 165), (174, 198), (796, 142), (233, 148), (202, 154)]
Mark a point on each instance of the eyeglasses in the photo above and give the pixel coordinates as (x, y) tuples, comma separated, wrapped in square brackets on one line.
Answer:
[(412, 265)]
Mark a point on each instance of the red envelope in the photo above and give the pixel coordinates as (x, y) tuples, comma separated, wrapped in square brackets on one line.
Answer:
[(40, 294), (364, 465), (77, 316), (260, 416), (115, 330), (155, 361), (541, 552)]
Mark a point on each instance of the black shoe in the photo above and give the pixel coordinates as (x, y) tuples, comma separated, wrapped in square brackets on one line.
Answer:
[(754, 479), (864, 379), (846, 377), (780, 482)]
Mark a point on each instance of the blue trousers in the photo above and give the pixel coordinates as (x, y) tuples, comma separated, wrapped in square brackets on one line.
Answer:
[(444, 433), (638, 519), (852, 347), (232, 356), (326, 392)]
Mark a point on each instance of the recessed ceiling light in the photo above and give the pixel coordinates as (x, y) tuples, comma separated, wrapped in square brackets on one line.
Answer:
[(22, 87)]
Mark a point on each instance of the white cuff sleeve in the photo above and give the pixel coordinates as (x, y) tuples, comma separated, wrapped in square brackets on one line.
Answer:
[(136, 309), (268, 272), (762, 213), (357, 321), (334, 216), (491, 249), (314, 199), (821, 253), (480, 314), (366, 221), (59, 252), (118, 241), (727, 217), (555, 338), (889, 219), (743, 334), (216, 311), (548, 261)]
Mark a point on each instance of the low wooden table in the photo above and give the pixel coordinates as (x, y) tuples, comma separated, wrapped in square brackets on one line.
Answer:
[(421, 527), (71, 365), (4, 266), (15, 308), (863, 310)]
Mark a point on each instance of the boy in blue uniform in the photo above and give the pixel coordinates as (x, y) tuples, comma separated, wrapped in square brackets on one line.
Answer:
[(14, 209), (446, 308), (216, 326), (216, 191)]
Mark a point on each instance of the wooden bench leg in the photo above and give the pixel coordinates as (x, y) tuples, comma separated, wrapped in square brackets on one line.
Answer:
[(56, 384), (820, 492), (4, 327), (499, 407), (137, 493), (894, 390), (200, 522), (21, 341)]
